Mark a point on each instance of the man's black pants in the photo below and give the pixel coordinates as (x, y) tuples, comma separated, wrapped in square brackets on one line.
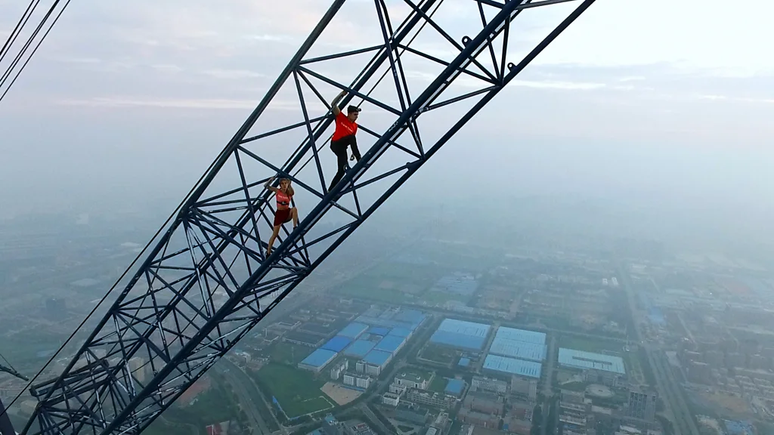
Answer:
[(339, 147)]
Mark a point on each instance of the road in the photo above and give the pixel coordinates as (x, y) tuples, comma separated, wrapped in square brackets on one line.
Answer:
[(374, 419), (547, 393), (241, 382), (666, 385)]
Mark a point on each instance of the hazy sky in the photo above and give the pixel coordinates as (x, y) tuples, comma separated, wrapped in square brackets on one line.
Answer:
[(132, 99)]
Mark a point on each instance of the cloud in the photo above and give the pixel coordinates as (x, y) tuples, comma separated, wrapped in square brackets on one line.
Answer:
[(171, 103), (695, 36), (198, 56)]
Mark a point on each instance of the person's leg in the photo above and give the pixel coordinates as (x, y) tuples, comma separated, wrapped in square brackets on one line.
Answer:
[(294, 214), (274, 235), (341, 155)]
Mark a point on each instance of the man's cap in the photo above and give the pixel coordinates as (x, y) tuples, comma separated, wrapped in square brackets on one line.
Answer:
[(351, 109)]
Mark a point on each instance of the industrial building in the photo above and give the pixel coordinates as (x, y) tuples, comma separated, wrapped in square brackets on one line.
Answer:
[(513, 366), (337, 343), (353, 330), (604, 369), (317, 360), (461, 334), (642, 404), (579, 359), (519, 343), (359, 348), (371, 341), (454, 387), (375, 361)]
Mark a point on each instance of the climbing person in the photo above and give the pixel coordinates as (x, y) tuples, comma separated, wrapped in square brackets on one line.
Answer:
[(285, 212), (343, 136)]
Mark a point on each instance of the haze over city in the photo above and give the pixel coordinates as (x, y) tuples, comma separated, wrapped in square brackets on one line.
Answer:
[(611, 204)]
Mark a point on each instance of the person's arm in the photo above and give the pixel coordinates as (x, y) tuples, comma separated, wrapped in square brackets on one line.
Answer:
[(270, 187), (335, 103)]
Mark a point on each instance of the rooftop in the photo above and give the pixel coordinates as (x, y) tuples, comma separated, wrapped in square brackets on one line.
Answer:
[(459, 333), (413, 375), (588, 360), (359, 348), (319, 358), (520, 335), (353, 330), (377, 357), (454, 386), (337, 343), (513, 366)]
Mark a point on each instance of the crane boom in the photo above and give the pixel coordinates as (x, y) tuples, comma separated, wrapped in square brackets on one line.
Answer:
[(208, 281)]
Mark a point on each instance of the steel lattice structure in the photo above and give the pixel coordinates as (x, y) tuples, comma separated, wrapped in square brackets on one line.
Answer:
[(208, 281)]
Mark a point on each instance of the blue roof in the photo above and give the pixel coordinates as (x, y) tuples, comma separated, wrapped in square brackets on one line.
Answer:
[(738, 427), (521, 335), (400, 332), (513, 366), (390, 343), (528, 351), (519, 343), (377, 357), (415, 317), (656, 316), (392, 318), (353, 330), (337, 343), (459, 333), (464, 362), (379, 331), (319, 358), (359, 348), (455, 386), (586, 360)]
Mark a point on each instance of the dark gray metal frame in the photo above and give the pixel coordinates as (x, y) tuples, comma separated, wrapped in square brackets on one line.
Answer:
[(168, 314)]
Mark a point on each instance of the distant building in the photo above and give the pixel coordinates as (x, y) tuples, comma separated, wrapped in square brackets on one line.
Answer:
[(482, 383), (357, 381), (484, 403), (411, 379), (317, 360), (642, 404), (598, 368), (524, 388), (412, 414), (338, 369), (454, 387), (390, 399), (438, 400)]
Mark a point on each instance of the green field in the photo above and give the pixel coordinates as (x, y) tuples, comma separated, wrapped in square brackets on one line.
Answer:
[(440, 298), (291, 354), (439, 384), (368, 288), (439, 354), (297, 391)]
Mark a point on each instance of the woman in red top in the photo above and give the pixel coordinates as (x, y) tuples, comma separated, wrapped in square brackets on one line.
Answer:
[(285, 212), (343, 136)]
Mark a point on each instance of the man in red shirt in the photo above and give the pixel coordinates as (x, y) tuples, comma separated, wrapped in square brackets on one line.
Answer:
[(344, 136)]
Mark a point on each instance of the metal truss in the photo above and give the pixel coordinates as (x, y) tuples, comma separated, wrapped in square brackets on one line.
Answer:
[(208, 280)]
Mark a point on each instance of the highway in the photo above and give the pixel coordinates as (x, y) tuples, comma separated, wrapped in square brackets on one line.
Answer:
[(666, 385), (241, 383), (547, 393)]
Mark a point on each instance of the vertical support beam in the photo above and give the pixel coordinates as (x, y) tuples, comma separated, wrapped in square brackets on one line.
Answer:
[(6, 428)]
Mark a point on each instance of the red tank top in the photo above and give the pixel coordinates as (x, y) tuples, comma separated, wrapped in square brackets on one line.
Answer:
[(282, 198)]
